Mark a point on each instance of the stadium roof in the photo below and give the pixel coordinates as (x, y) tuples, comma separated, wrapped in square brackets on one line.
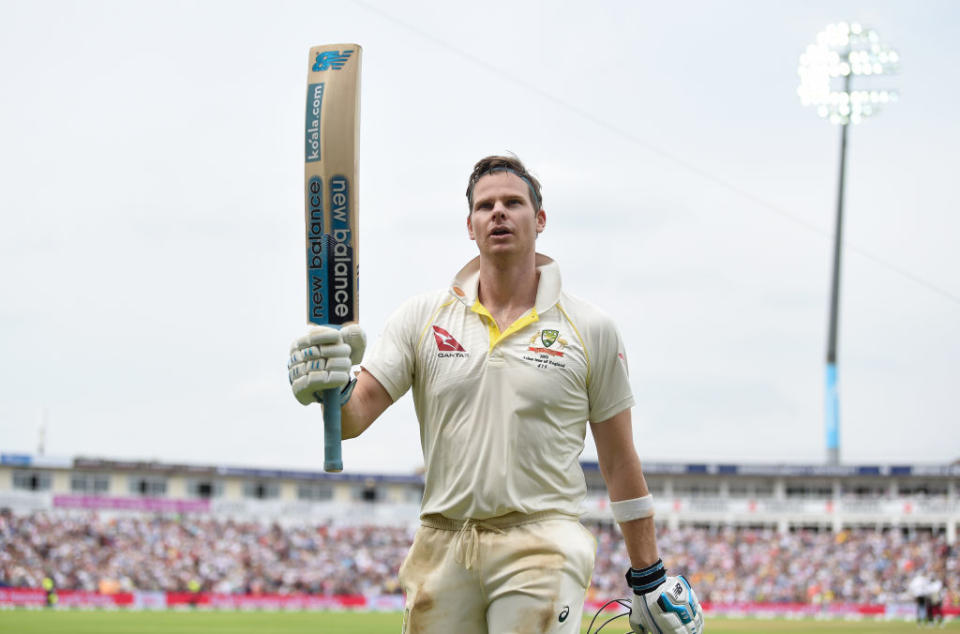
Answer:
[(649, 468), (679, 468)]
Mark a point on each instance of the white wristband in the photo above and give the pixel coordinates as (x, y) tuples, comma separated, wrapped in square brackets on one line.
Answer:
[(635, 509)]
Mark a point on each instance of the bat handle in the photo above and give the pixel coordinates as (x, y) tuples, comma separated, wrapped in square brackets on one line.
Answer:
[(332, 460)]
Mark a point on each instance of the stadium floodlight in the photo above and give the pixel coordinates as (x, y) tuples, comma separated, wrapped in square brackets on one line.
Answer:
[(841, 52)]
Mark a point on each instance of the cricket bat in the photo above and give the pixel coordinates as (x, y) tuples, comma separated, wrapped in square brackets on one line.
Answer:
[(330, 190)]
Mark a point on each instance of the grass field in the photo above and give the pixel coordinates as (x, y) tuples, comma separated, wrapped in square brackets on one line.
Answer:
[(169, 622)]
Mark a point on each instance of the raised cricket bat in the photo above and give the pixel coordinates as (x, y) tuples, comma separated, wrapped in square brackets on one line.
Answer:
[(330, 188)]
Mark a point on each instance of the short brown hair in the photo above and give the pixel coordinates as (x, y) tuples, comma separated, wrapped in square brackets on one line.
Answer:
[(511, 164)]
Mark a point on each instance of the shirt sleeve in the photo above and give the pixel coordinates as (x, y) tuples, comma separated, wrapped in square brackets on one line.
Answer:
[(392, 359), (608, 385)]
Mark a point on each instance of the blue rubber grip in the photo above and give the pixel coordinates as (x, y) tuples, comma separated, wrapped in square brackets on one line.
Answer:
[(332, 459)]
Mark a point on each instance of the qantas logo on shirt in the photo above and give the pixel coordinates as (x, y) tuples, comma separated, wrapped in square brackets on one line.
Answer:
[(446, 343)]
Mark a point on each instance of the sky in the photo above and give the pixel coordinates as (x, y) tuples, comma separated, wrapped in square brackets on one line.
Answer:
[(151, 251)]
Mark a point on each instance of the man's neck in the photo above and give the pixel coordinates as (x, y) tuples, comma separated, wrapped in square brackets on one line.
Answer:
[(508, 289)]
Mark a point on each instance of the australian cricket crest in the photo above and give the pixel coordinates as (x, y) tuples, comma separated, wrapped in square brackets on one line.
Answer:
[(549, 337), (548, 346)]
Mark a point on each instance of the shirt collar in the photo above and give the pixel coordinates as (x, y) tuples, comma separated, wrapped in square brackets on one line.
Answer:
[(466, 282)]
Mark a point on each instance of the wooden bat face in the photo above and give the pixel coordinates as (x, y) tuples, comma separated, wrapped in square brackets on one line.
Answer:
[(330, 183)]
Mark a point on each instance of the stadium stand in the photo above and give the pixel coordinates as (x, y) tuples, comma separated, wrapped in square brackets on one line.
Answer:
[(746, 536), (89, 552)]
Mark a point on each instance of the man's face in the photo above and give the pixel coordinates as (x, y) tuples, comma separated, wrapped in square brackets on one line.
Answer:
[(503, 221)]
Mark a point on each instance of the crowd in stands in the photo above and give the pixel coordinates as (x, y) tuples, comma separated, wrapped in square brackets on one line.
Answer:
[(141, 552), (733, 565)]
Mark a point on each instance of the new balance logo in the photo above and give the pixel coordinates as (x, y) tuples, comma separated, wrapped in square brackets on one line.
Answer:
[(331, 60), (445, 341)]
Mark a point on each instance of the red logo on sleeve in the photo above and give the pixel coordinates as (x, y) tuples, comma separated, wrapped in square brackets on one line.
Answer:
[(445, 341)]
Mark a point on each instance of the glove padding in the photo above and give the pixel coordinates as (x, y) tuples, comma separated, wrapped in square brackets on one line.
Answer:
[(321, 360), (670, 608)]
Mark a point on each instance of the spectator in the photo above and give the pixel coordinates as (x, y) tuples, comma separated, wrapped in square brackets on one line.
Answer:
[(727, 565)]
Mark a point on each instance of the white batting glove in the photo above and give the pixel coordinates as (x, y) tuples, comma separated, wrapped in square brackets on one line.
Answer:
[(321, 360), (354, 337), (662, 604)]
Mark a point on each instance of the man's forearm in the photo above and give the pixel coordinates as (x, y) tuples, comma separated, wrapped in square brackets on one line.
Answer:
[(368, 400), (627, 483), (641, 542), (351, 420), (621, 470)]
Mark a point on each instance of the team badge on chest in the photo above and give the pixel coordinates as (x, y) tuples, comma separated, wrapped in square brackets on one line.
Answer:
[(547, 346), (547, 339)]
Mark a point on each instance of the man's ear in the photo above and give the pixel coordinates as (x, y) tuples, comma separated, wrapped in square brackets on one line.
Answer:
[(541, 220), (470, 227)]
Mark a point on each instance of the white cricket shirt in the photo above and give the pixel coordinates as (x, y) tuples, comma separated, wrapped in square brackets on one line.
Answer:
[(503, 415)]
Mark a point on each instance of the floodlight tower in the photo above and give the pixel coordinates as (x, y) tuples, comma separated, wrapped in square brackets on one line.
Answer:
[(842, 51)]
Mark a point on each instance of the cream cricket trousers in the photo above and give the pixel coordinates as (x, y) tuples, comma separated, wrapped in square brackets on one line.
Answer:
[(515, 574)]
